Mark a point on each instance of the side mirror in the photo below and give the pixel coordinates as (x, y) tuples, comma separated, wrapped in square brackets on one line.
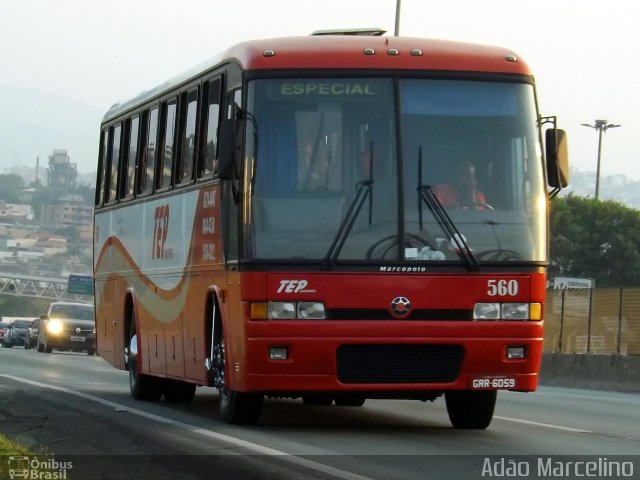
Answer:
[(557, 158), (43, 317)]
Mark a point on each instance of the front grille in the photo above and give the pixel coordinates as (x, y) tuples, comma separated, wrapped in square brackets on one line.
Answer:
[(399, 363), (382, 314)]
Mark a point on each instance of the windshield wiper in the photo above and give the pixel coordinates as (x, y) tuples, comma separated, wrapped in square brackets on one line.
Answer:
[(364, 189), (428, 196)]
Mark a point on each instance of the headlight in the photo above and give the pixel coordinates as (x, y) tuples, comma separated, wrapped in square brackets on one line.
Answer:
[(54, 327), (287, 311), (281, 310), (515, 311), (507, 311), (486, 311), (310, 311)]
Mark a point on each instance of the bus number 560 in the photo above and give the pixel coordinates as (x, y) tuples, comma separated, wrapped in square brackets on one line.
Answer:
[(502, 288)]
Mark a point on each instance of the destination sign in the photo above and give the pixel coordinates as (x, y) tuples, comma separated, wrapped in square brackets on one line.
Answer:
[(339, 89)]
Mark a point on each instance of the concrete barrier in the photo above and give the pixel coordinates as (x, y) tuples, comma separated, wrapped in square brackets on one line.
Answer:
[(601, 372)]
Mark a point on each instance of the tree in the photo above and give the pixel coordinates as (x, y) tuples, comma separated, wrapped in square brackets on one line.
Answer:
[(10, 186), (18, 306), (595, 239)]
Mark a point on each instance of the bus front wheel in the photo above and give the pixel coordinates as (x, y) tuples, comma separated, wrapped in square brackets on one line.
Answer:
[(235, 407), (143, 387), (470, 409), (239, 407)]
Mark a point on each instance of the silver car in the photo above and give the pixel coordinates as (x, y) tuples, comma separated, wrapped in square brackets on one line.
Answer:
[(32, 334), (16, 333)]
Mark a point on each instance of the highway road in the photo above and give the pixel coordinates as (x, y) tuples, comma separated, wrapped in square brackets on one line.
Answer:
[(75, 405)]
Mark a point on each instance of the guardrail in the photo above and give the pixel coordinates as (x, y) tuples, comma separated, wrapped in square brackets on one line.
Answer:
[(598, 321)]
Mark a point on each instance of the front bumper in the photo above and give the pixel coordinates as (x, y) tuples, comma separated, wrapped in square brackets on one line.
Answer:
[(404, 357)]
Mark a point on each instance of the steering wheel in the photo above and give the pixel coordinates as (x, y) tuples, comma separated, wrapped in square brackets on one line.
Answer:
[(411, 240), (477, 206)]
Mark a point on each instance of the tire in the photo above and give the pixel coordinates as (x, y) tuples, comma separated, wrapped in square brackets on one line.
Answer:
[(176, 391), (47, 348), (40, 347), (349, 400), (240, 408), (91, 352), (235, 407), (143, 387), (471, 409)]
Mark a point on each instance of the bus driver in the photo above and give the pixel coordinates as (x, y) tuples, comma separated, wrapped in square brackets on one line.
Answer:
[(462, 191)]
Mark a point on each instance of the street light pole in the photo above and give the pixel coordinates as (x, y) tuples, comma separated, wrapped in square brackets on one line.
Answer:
[(600, 126)]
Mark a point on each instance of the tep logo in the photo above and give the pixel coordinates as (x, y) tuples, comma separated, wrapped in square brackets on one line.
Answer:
[(400, 307)]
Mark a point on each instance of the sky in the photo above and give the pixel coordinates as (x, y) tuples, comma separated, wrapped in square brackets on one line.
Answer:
[(95, 53)]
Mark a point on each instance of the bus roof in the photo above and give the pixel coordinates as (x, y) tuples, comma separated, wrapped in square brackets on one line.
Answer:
[(348, 52)]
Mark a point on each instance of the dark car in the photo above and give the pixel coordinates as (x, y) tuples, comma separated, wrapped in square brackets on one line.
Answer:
[(32, 334), (16, 333), (3, 330), (67, 326)]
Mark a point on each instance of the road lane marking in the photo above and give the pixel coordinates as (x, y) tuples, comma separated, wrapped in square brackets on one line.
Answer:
[(545, 425), (249, 446)]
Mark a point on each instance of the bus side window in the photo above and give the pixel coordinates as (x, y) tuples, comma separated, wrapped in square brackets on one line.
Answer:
[(101, 183), (187, 132), (129, 159), (114, 163), (147, 159), (210, 128), (165, 158)]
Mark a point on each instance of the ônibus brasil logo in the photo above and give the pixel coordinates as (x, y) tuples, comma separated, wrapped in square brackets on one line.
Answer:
[(33, 468)]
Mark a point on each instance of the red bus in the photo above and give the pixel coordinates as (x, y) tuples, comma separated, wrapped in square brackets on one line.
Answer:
[(276, 223)]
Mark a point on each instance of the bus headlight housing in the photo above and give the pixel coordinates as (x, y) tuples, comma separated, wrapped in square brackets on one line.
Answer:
[(507, 311), (287, 311)]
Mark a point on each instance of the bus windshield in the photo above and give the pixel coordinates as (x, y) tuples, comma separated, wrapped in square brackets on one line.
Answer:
[(339, 169)]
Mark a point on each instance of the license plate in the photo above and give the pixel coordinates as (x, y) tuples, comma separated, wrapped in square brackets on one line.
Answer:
[(493, 383), (77, 339)]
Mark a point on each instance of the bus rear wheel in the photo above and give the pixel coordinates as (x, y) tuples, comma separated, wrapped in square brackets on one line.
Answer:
[(471, 409)]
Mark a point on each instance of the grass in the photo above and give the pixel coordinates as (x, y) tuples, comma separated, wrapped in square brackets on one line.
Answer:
[(9, 447)]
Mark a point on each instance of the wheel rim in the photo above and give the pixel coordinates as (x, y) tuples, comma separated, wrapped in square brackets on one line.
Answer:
[(219, 377)]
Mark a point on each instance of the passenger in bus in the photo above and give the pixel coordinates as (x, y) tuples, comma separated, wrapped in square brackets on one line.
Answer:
[(462, 191)]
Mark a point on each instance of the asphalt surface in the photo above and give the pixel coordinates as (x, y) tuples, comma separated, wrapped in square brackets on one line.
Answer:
[(78, 408)]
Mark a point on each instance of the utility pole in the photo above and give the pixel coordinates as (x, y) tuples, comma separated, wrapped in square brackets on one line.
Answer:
[(601, 126), (397, 29)]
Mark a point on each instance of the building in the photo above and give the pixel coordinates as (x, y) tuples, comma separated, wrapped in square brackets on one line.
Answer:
[(72, 212), (62, 173)]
